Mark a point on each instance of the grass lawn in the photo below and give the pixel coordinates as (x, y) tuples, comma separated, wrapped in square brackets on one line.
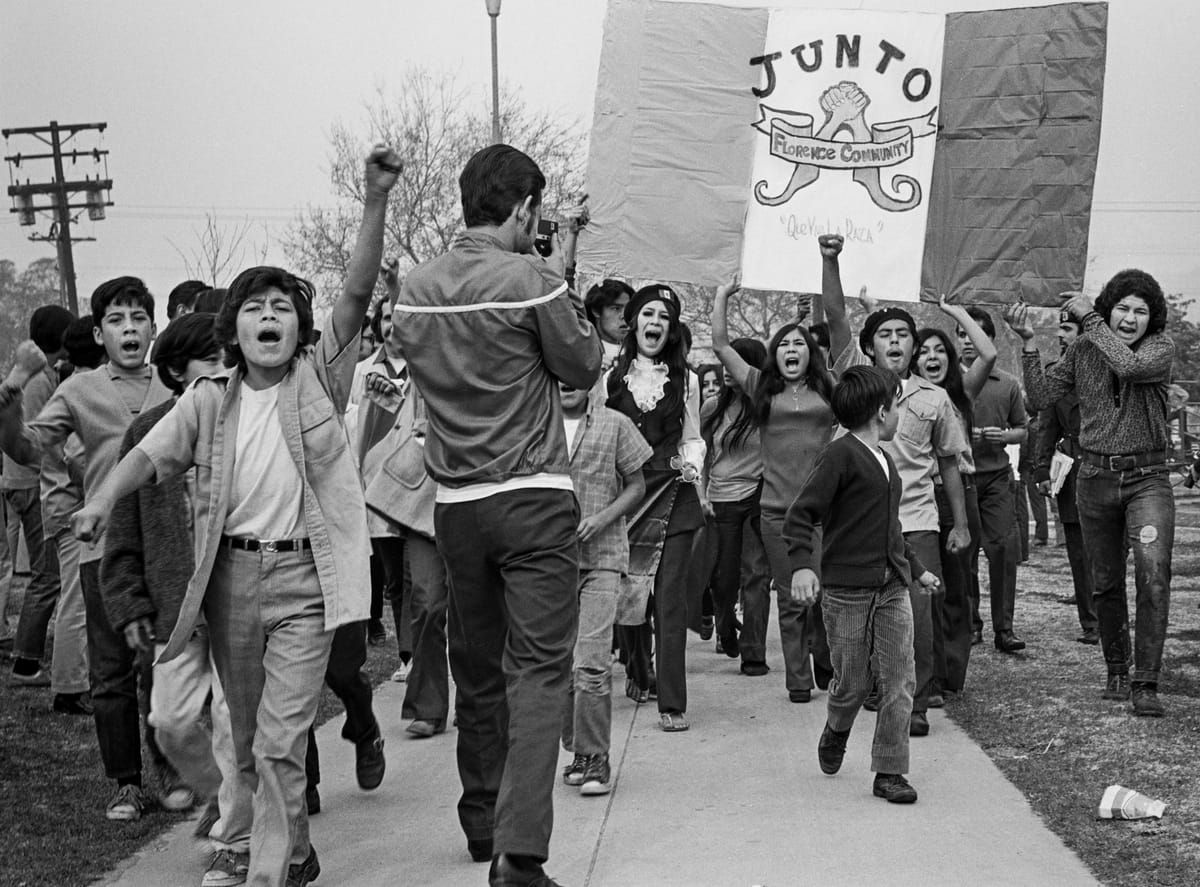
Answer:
[(1039, 716), (52, 827)]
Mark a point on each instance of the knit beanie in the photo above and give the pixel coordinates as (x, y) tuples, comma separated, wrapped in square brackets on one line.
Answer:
[(866, 338), (655, 292)]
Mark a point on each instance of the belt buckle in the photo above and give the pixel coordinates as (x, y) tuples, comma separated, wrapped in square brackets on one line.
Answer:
[(268, 545), (1115, 463)]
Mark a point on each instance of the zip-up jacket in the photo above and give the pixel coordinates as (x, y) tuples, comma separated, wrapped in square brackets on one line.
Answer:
[(488, 334)]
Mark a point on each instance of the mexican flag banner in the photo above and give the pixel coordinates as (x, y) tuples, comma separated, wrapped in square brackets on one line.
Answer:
[(955, 153)]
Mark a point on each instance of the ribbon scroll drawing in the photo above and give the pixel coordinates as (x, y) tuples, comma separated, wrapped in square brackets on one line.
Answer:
[(872, 148)]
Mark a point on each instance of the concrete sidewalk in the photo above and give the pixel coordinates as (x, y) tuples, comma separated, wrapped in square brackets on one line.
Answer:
[(737, 801)]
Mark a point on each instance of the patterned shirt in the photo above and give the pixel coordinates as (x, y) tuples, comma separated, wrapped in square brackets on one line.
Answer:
[(607, 447), (1122, 392)]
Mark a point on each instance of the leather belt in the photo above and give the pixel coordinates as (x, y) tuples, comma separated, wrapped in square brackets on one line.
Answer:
[(268, 545), (1125, 462)]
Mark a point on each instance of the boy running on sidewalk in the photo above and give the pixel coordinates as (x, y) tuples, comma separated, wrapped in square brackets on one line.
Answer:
[(607, 454), (280, 525), (866, 567)]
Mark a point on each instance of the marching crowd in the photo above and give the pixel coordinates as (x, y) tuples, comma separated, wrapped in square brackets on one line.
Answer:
[(532, 480)]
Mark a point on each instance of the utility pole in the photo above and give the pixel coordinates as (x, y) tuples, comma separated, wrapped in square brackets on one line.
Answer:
[(60, 193)]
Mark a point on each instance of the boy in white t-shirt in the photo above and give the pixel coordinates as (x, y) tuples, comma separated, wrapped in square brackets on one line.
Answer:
[(280, 528)]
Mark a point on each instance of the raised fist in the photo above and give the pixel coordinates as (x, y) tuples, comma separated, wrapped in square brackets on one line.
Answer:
[(383, 168), (831, 245)]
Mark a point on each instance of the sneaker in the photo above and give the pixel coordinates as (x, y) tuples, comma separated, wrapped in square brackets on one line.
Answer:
[(127, 804), (376, 633), (304, 873), (400, 675), (1117, 687), (369, 763), (937, 700), (831, 749), (597, 778), (573, 772), (227, 869), (1145, 701), (312, 800), (177, 798), (72, 704), (893, 788), (38, 678)]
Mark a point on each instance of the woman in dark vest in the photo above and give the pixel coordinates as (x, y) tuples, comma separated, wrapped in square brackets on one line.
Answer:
[(652, 385)]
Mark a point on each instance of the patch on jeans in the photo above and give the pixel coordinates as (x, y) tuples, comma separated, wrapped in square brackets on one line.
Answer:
[(1148, 534)]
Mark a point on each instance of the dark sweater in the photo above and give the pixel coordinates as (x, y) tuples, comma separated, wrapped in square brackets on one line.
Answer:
[(858, 510), (148, 553)]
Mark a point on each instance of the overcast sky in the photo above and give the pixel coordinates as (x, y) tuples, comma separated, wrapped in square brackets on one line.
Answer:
[(227, 106)]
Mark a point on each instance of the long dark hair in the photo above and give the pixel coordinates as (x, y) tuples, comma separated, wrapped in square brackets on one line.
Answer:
[(953, 383), (817, 377), (753, 352), (674, 355)]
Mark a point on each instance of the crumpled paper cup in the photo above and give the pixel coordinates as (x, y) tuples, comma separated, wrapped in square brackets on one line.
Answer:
[(1124, 803)]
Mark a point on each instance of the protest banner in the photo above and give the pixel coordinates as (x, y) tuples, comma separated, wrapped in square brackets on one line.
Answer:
[(956, 153)]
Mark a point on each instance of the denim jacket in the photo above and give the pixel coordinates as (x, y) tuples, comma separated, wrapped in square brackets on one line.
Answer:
[(201, 431)]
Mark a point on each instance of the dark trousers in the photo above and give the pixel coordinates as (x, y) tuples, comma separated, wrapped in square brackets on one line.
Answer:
[(513, 564), (388, 552), (112, 678), (738, 526), (1081, 571), (1037, 506), (345, 678), (667, 627), (1081, 576), (955, 610), (1119, 512), (42, 592), (926, 546), (427, 693), (999, 542), (801, 628)]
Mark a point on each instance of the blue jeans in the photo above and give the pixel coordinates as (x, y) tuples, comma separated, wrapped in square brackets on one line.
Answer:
[(1121, 511), (587, 724), (871, 644)]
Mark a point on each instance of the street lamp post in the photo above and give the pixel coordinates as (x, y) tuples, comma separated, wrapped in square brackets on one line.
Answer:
[(493, 10)]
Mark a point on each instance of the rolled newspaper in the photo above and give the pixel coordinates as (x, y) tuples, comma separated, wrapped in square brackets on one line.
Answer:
[(1124, 803)]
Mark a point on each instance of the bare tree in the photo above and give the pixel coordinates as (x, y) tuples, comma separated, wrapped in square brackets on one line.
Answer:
[(431, 120), (220, 251)]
